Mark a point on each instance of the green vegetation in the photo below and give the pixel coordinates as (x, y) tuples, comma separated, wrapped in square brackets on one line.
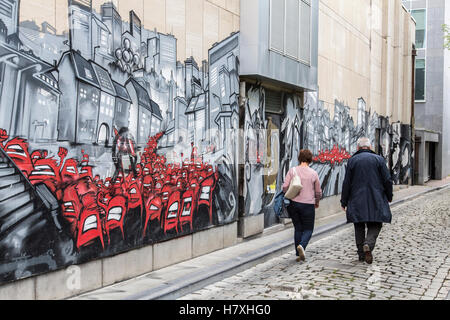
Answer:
[(446, 29)]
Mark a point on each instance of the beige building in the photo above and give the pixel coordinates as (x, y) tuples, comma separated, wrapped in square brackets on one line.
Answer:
[(365, 51), (197, 24)]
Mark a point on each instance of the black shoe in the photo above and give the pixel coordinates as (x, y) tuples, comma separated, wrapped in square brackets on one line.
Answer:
[(362, 258), (368, 254)]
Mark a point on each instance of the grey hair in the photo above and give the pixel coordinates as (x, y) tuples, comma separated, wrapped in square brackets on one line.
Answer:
[(364, 143)]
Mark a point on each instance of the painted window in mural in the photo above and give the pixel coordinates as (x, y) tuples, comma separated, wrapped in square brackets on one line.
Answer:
[(109, 143)]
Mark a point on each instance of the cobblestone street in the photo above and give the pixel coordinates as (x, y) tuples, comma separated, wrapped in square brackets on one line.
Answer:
[(411, 262)]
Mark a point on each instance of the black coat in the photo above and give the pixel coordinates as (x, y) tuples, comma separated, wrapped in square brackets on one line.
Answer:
[(367, 189)]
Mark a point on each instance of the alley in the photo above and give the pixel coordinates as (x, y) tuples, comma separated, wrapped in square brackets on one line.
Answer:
[(411, 262)]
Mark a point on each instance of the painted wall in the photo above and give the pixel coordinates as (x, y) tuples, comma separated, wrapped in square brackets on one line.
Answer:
[(272, 143), (275, 140), (116, 134)]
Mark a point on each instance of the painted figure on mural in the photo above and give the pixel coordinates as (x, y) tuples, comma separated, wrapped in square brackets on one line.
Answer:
[(124, 152)]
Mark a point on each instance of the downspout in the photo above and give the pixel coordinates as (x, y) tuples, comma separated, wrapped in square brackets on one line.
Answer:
[(413, 120)]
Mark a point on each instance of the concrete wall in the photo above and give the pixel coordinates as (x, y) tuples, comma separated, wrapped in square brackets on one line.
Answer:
[(79, 279), (365, 51)]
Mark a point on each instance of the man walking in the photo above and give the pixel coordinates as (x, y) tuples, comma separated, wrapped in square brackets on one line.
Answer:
[(366, 194)]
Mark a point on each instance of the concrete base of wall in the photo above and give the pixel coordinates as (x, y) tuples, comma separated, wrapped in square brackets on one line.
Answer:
[(250, 226), (93, 275)]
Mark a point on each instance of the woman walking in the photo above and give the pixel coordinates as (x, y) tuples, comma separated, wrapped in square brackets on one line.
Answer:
[(302, 207)]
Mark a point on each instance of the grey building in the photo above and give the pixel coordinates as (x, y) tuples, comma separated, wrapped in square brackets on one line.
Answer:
[(145, 114), (123, 104), (80, 24), (29, 94), (105, 133), (113, 21), (9, 14), (80, 99), (432, 97)]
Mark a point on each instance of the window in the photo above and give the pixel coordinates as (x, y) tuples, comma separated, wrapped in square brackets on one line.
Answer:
[(420, 79), (290, 28), (104, 37), (421, 26)]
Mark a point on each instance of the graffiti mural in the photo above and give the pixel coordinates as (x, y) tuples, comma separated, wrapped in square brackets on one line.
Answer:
[(107, 142), (332, 140), (272, 143)]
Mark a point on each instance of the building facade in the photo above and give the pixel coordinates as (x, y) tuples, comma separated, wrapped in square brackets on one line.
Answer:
[(432, 104), (343, 75), (169, 125)]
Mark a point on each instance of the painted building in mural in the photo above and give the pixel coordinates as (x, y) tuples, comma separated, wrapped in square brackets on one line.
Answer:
[(126, 144), (125, 127)]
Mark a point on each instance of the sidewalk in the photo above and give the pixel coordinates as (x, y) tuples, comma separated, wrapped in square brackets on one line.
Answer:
[(181, 279)]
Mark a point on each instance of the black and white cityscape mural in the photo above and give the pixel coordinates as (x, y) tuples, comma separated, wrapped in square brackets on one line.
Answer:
[(275, 140), (107, 141)]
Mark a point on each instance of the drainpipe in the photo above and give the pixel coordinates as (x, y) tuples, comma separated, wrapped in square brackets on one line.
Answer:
[(413, 120), (38, 68)]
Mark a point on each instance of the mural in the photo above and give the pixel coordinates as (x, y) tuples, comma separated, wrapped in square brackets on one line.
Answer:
[(272, 143), (107, 142), (332, 140)]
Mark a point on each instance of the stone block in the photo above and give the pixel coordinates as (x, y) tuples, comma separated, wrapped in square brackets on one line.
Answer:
[(207, 241), (18, 290), (70, 281), (329, 206), (171, 252), (230, 235), (250, 226)]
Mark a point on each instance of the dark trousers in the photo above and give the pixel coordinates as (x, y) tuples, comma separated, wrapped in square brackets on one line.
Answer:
[(303, 217), (373, 231)]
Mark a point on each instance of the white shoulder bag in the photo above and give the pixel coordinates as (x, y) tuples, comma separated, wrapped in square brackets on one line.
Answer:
[(295, 186)]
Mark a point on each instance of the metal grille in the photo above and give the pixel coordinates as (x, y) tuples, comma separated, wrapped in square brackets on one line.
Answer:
[(273, 102), (6, 8), (82, 3)]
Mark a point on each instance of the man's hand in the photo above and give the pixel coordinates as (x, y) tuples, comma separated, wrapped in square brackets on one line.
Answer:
[(344, 208), (317, 206)]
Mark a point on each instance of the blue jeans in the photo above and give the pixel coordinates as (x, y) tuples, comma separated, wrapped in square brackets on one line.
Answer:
[(303, 217)]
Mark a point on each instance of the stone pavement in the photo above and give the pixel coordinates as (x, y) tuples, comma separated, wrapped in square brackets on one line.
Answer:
[(183, 278), (411, 262)]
